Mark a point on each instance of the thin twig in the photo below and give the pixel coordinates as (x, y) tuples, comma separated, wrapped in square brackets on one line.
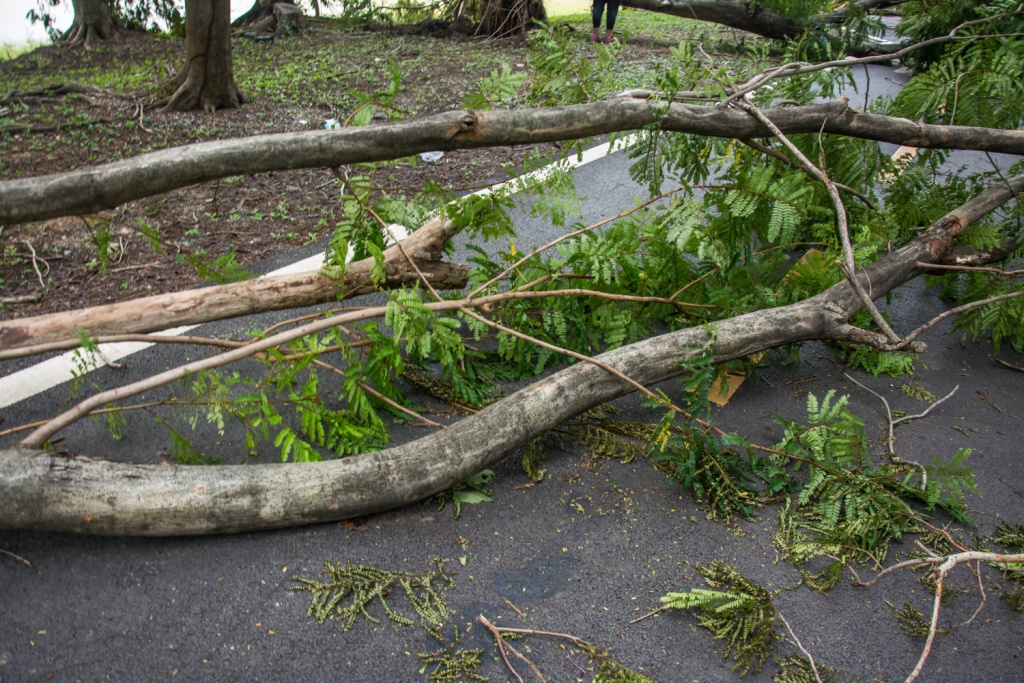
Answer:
[(412, 263), (570, 235), (21, 299), (19, 558), (35, 263), (932, 627), (503, 644), (981, 586), (796, 641), (6, 354), (905, 418), (796, 68), (379, 396), (518, 611), (955, 558), (648, 615), (980, 269), (141, 124), (954, 311), (841, 220), (1008, 364), (549, 634)]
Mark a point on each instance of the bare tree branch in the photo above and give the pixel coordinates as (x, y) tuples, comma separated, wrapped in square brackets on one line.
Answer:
[(110, 185), (220, 302)]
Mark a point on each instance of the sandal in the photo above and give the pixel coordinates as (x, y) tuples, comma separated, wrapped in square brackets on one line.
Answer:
[(607, 40)]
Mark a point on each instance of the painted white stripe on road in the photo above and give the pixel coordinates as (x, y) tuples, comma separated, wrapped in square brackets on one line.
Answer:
[(34, 380)]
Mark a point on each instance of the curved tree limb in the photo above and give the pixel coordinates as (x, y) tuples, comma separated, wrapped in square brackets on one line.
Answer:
[(45, 491), (110, 185)]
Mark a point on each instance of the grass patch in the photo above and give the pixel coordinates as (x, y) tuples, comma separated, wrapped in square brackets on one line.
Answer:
[(12, 50)]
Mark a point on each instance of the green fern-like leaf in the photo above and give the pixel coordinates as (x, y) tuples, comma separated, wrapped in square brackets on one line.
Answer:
[(351, 589), (736, 610), (450, 663)]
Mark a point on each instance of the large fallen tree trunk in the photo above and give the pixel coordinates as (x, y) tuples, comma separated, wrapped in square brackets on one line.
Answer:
[(46, 491), (744, 16), (110, 185), (60, 330), (750, 17)]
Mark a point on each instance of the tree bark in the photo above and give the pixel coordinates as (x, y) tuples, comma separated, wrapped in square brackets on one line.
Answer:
[(93, 21), (500, 18), (60, 330), (110, 185), (261, 9), (207, 81), (48, 492), (287, 19), (759, 21), (743, 16)]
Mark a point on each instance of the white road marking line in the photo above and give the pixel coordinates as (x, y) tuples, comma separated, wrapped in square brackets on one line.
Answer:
[(26, 383)]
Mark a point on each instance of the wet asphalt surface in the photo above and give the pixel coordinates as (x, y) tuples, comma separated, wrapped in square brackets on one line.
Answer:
[(584, 552)]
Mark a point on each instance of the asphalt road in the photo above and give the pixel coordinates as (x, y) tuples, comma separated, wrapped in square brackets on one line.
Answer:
[(584, 552)]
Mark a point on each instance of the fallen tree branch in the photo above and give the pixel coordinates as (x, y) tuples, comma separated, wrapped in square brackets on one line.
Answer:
[(110, 185), (220, 302), (799, 645), (43, 490), (849, 265), (504, 645), (906, 418), (943, 565)]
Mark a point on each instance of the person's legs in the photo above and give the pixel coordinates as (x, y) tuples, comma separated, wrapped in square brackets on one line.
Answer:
[(613, 12), (596, 12)]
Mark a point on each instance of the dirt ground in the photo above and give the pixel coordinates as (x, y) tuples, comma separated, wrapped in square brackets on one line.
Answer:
[(252, 216), (294, 85)]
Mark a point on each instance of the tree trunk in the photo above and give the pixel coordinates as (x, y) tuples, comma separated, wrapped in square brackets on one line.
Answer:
[(501, 18), (283, 20), (261, 9), (110, 185), (44, 491), (93, 21), (207, 80)]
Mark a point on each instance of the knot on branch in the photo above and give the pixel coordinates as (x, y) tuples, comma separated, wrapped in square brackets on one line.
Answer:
[(466, 125)]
